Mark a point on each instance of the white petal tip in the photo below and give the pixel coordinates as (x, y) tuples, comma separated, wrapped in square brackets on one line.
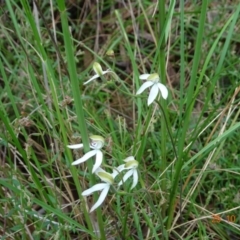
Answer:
[(74, 164), (144, 76), (92, 78), (75, 146), (138, 92), (164, 91)]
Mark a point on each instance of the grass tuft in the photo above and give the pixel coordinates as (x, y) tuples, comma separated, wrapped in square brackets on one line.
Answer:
[(186, 146)]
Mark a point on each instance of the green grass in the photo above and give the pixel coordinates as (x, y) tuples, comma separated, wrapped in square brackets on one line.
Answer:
[(187, 146)]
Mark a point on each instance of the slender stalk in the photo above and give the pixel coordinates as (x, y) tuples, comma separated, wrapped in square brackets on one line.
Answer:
[(79, 106), (135, 83), (162, 71), (168, 130), (189, 107)]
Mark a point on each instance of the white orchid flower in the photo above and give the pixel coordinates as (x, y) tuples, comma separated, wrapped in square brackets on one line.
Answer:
[(96, 143), (131, 165), (99, 72), (156, 87), (108, 180)]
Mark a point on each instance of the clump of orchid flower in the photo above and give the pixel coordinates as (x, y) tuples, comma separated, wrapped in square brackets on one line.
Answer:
[(108, 180), (131, 165), (96, 143), (97, 68), (156, 87)]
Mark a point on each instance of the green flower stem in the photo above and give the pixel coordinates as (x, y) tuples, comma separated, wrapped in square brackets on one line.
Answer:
[(141, 180), (141, 148), (162, 71), (167, 124), (79, 108)]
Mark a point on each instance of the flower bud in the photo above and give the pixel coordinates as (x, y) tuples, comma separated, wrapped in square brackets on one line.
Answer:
[(110, 53), (106, 177), (97, 69), (131, 164)]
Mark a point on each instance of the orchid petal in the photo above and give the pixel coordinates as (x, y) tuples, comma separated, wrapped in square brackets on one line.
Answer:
[(127, 175), (163, 90), (131, 164), (97, 187), (99, 157), (101, 197), (115, 172), (99, 170), (129, 159), (92, 78), (107, 178), (96, 142), (121, 168), (96, 145), (144, 76), (154, 77), (85, 157), (144, 86), (107, 71), (135, 178), (75, 146), (153, 94)]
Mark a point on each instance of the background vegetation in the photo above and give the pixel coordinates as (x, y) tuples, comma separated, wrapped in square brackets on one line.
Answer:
[(191, 181)]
